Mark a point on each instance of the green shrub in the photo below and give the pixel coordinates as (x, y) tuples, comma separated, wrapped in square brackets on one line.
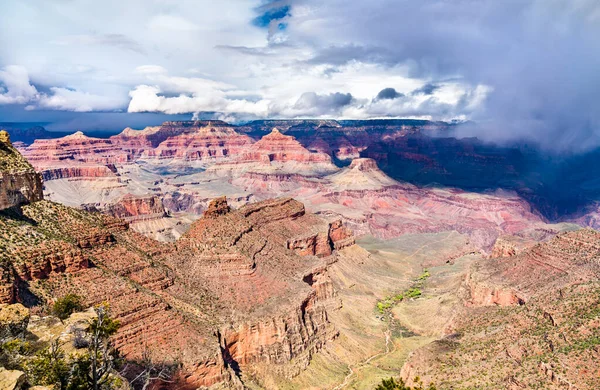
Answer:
[(66, 306), (413, 293), (393, 384), (424, 275)]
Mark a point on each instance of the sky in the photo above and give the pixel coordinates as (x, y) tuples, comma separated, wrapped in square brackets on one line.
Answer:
[(519, 69)]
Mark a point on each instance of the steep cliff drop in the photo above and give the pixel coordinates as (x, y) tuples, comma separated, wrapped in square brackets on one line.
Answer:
[(19, 183)]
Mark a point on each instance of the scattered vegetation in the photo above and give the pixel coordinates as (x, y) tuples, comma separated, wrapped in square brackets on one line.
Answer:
[(393, 384), (95, 368), (413, 292)]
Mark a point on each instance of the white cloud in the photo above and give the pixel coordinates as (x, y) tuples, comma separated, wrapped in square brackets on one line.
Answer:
[(70, 100), (15, 87)]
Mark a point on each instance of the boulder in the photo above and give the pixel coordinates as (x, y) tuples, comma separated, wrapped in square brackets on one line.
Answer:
[(13, 320), (11, 379)]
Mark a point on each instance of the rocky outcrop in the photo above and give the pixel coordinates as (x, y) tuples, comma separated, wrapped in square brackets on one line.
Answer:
[(294, 336), (40, 261), (216, 208), (323, 243), (13, 320), (19, 183), (18, 188), (12, 379), (508, 246), (482, 293), (133, 208)]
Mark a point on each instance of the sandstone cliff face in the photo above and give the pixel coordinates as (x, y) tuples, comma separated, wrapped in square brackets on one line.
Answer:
[(89, 172), (134, 208), (19, 188), (74, 147), (19, 183)]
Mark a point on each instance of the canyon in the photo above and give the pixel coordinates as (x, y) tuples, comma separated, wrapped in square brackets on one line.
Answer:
[(185, 164), (287, 254)]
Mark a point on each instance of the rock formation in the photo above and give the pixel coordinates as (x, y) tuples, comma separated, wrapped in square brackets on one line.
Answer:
[(76, 147), (19, 183), (276, 153), (183, 141), (362, 174), (134, 208)]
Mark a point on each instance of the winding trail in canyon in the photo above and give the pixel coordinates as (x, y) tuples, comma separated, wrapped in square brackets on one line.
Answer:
[(367, 361)]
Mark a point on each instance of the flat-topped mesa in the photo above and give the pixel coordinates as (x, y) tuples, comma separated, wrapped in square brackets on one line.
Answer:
[(187, 141), (73, 149), (364, 164), (19, 183)]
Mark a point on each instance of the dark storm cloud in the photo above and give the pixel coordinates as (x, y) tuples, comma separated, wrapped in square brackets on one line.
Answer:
[(388, 93), (325, 103), (427, 89), (540, 58)]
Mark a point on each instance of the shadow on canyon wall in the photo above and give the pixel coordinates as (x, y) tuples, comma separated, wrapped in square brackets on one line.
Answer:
[(556, 185)]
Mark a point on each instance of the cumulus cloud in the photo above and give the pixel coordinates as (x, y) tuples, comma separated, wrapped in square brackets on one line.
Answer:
[(15, 87), (71, 100), (177, 95)]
